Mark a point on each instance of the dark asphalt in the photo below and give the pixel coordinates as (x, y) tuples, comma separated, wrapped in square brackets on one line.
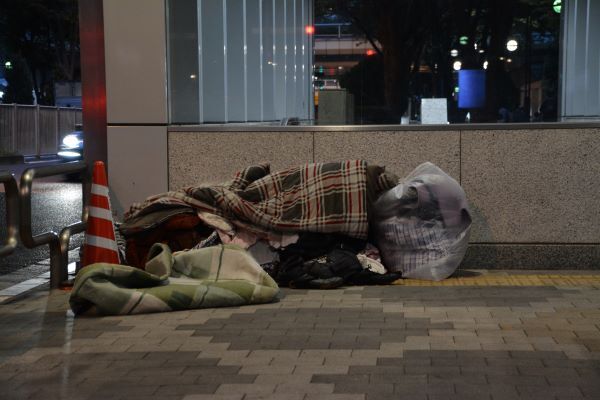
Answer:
[(54, 206)]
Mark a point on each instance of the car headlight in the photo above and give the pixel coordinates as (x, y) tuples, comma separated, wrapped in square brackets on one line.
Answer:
[(71, 141), (69, 154)]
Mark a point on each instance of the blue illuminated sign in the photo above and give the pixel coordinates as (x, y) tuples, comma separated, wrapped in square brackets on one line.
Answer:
[(471, 88)]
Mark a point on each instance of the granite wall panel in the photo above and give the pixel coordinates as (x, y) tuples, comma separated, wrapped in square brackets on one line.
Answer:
[(399, 151), (201, 157), (533, 186), (534, 193)]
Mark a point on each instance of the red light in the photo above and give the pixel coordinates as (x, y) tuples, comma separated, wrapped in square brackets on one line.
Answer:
[(370, 52), (309, 29)]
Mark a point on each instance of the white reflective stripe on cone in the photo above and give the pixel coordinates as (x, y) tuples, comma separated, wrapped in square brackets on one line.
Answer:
[(99, 190), (101, 242), (101, 213)]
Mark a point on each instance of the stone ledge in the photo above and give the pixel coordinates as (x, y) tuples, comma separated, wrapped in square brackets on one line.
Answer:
[(532, 256)]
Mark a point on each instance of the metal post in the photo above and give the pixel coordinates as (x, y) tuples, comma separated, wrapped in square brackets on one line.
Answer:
[(37, 130), (13, 128), (57, 127), (12, 212)]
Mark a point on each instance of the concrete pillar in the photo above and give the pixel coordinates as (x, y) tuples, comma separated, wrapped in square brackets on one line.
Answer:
[(136, 99)]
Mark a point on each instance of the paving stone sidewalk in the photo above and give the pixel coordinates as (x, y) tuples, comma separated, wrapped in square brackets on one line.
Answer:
[(495, 336)]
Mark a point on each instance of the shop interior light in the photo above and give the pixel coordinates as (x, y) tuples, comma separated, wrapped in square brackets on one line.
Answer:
[(309, 29), (454, 53), (485, 65)]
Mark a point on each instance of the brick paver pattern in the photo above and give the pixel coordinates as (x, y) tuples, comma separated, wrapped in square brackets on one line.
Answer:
[(490, 336)]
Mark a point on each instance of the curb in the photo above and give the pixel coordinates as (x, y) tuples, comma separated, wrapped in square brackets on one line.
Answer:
[(8, 160), (19, 290), (41, 158)]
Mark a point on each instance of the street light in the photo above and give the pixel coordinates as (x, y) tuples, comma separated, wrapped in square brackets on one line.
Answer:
[(512, 45), (457, 65), (454, 52), (8, 65)]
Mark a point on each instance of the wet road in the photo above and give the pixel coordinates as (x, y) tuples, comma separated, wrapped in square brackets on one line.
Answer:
[(54, 206)]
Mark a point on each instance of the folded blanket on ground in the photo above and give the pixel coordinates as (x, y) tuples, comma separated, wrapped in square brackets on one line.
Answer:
[(216, 276), (322, 197)]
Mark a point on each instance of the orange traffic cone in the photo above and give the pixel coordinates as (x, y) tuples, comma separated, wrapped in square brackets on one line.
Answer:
[(100, 244)]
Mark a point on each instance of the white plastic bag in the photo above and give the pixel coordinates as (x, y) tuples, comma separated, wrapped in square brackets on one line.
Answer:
[(422, 225)]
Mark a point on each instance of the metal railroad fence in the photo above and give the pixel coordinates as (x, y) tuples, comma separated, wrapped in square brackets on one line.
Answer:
[(35, 130)]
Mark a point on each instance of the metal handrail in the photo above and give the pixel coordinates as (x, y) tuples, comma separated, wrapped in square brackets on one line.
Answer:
[(12, 212), (58, 243)]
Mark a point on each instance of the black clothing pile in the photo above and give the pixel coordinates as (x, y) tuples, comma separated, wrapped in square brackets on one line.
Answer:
[(318, 225), (325, 261)]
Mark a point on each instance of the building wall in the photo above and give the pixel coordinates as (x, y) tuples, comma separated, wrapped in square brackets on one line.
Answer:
[(534, 193), (533, 189)]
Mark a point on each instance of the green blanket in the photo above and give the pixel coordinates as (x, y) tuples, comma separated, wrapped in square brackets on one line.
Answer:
[(216, 276)]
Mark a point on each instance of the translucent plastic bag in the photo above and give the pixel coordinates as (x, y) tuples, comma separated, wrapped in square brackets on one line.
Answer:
[(422, 225)]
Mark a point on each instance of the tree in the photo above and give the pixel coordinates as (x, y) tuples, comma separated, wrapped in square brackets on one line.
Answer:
[(45, 35), (20, 85)]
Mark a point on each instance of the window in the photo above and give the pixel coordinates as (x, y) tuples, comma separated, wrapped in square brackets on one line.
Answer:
[(482, 61), (383, 61)]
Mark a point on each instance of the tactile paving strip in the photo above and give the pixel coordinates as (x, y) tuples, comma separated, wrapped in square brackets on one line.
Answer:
[(512, 280)]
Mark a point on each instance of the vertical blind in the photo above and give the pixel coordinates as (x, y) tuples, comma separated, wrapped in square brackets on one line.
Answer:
[(239, 60)]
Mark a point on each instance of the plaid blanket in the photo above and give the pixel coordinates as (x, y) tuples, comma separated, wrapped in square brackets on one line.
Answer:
[(322, 197), (216, 276)]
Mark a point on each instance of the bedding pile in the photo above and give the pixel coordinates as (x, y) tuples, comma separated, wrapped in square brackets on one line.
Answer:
[(318, 226)]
